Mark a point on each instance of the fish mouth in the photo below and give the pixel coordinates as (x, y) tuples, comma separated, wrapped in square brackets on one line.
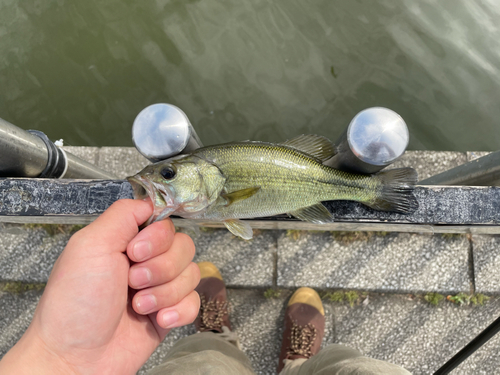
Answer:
[(160, 196), (141, 188), (158, 193)]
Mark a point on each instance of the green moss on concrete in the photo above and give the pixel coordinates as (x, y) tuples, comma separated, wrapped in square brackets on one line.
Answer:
[(434, 298), (294, 234), (452, 236), (479, 299), (355, 297), (337, 296), (465, 299), (18, 287), (350, 237), (53, 229), (351, 296), (257, 232), (347, 238), (207, 229), (459, 299), (272, 293), (75, 228)]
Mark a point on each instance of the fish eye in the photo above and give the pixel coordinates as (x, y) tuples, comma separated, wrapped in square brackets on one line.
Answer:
[(168, 173)]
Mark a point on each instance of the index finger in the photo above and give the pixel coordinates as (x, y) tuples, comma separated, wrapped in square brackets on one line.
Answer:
[(153, 240), (116, 227)]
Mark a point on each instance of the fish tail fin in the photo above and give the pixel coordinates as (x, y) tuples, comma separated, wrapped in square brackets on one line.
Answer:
[(396, 192)]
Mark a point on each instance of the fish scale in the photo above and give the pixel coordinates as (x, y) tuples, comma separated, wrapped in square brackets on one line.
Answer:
[(288, 180)]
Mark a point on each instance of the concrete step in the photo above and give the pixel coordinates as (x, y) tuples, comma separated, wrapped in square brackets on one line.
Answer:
[(368, 261), (396, 328)]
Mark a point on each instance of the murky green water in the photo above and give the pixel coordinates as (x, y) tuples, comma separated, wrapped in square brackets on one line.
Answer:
[(261, 70)]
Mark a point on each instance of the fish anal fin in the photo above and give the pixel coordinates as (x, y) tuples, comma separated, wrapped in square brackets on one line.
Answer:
[(239, 228), (317, 214), (314, 145), (239, 195)]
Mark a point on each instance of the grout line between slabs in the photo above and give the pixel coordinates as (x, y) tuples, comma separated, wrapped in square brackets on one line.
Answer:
[(472, 277), (275, 263), (97, 156)]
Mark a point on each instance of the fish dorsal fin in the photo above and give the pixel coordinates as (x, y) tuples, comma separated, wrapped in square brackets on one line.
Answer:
[(317, 214), (314, 145), (239, 195), (239, 228)]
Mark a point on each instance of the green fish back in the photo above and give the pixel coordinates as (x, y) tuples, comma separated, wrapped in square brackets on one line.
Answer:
[(288, 179)]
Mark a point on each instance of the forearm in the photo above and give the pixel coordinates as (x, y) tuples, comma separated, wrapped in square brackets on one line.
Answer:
[(29, 356)]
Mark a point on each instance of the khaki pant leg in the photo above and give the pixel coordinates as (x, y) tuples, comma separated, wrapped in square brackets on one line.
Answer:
[(204, 354), (341, 360)]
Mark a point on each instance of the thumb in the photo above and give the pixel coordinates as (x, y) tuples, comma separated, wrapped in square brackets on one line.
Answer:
[(115, 228)]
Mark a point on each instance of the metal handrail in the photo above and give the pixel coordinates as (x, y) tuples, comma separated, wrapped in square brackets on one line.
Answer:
[(25, 154)]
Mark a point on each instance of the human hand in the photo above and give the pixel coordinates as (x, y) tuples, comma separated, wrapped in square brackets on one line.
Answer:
[(88, 319)]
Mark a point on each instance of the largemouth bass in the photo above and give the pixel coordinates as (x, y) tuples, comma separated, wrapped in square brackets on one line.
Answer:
[(242, 180)]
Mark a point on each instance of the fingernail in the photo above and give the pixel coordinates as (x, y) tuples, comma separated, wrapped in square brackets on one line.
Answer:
[(170, 318), (140, 276), (146, 303), (142, 250)]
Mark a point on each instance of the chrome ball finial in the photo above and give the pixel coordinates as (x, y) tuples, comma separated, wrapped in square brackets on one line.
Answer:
[(162, 130), (375, 138)]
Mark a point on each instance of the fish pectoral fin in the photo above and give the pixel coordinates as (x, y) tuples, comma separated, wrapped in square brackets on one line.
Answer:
[(239, 195), (314, 145), (239, 228), (317, 214)]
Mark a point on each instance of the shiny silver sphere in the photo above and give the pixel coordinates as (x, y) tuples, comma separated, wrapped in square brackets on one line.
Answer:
[(378, 136), (161, 131)]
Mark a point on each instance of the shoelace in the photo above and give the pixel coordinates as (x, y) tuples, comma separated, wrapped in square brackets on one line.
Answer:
[(301, 340), (212, 313)]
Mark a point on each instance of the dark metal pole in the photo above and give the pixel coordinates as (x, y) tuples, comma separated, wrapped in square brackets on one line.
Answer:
[(470, 348), (484, 171), (25, 154), (22, 154)]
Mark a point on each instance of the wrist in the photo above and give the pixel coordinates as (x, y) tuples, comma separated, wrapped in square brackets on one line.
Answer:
[(31, 356)]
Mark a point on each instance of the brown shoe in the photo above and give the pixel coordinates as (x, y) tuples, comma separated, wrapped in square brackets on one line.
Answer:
[(304, 326), (213, 314)]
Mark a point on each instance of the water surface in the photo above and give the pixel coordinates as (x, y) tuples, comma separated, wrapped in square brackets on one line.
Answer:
[(260, 70)]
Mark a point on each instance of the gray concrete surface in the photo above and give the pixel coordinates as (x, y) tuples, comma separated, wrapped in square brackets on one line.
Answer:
[(397, 262), (243, 263), (122, 161), (429, 163), (473, 155), (89, 154), (487, 263), (410, 332), (28, 253), (374, 261), (401, 329), (16, 311)]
